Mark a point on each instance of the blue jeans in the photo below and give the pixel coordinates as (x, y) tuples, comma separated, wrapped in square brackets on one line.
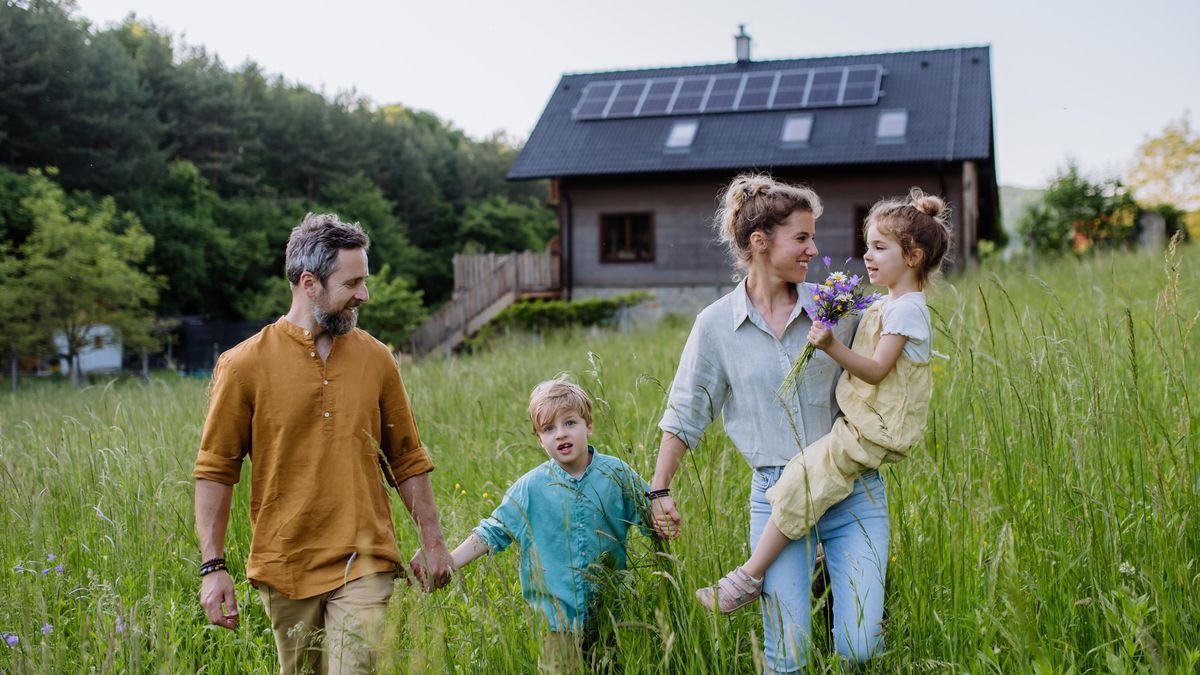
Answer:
[(855, 535)]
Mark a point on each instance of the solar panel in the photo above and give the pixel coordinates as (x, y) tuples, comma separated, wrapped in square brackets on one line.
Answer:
[(760, 90)]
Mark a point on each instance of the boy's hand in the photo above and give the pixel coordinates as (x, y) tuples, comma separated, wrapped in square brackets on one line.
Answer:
[(667, 520), (820, 336)]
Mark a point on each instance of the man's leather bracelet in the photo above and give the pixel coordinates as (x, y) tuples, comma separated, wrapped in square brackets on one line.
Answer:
[(655, 494), (210, 566)]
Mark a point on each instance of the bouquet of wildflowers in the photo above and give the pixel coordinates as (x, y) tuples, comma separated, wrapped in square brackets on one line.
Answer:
[(840, 295)]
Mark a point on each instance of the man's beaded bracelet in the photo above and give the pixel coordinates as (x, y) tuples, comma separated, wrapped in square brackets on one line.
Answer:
[(655, 494), (210, 566)]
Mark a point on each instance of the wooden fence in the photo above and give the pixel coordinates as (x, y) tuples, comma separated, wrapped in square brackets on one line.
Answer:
[(483, 286)]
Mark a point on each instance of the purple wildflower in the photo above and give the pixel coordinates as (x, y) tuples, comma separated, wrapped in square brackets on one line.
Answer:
[(47, 629), (58, 568), (51, 557), (827, 260), (840, 295), (12, 639), (46, 571), (120, 625)]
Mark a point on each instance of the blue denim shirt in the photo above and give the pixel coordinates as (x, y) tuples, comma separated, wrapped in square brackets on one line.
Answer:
[(733, 365), (568, 530)]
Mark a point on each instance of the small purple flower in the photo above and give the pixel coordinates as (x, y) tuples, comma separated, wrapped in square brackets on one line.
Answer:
[(47, 629), (58, 568), (120, 625), (827, 260), (51, 557), (12, 639), (46, 571), (21, 568)]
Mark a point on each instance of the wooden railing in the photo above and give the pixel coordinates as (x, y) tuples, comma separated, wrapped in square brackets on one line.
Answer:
[(483, 286)]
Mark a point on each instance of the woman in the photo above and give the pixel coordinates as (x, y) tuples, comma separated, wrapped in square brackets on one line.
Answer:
[(737, 355)]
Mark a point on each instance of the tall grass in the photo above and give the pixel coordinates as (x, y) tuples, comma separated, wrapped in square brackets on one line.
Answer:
[(1050, 522)]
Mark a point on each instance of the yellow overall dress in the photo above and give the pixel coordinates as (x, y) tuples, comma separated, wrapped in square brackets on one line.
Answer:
[(879, 423)]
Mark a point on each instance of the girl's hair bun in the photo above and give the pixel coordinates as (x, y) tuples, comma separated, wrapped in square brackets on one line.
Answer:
[(931, 205)]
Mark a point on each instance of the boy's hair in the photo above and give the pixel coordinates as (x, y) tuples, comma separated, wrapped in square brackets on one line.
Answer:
[(552, 396)]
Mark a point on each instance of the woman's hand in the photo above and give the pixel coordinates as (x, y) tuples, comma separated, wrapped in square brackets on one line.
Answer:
[(820, 336), (667, 520)]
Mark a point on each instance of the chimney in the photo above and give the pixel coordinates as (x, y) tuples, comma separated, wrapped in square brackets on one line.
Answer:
[(741, 42)]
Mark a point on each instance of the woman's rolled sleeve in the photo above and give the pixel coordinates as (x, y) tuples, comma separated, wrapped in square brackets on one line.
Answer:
[(698, 391), (226, 436)]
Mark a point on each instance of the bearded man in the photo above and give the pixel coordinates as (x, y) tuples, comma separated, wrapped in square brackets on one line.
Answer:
[(319, 407)]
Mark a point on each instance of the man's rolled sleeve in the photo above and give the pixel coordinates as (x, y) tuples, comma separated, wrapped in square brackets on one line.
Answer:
[(400, 442), (698, 391), (226, 436)]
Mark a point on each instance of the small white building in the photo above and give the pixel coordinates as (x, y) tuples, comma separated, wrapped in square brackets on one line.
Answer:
[(102, 354)]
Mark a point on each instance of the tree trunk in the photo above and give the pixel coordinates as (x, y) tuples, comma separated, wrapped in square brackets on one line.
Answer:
[(76, 370)]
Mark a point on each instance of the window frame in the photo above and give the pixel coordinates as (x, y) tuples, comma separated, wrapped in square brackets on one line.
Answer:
[(608, 256), (891, 138)]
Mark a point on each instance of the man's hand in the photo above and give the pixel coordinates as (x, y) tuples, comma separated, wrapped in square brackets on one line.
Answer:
[(667, 520), (216, 597), (432, 569)]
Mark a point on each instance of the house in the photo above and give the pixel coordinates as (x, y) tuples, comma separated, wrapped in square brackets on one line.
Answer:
[(637, 159)]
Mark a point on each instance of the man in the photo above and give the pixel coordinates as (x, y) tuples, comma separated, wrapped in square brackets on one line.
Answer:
[(320, 409)]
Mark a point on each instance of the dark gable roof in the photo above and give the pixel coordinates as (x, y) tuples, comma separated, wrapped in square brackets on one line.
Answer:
[(947, 94)]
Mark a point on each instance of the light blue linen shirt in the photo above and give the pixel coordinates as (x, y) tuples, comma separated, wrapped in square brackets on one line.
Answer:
[(733, 365), (568, 529)]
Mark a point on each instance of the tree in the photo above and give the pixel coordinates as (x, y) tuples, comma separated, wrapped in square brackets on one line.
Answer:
[(1166, 168), (76, 273), (1076, 214), (394, 310), (497, 225)]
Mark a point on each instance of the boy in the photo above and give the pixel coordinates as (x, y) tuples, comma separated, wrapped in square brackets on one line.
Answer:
[(569, 514)]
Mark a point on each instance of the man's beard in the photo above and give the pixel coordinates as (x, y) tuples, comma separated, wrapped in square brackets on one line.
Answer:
[(334, 321)]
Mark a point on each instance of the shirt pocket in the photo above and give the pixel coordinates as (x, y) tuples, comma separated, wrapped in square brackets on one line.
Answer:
[(818, 380)]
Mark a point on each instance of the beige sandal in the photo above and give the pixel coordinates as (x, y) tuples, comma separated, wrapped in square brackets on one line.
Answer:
[(734, 591)]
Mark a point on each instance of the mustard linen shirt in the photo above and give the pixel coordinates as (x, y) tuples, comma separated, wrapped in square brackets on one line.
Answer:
[(314, 432)]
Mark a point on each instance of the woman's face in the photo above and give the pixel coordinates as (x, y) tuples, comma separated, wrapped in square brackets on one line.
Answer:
[(792, 246)]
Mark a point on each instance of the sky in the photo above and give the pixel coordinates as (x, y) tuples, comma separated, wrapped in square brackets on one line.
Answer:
[(1070, 79)]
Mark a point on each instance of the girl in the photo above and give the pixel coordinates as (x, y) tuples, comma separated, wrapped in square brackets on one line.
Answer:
[(737, 355), (883, 394)]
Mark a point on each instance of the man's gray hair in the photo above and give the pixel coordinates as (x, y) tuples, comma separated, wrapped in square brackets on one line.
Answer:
[(314, 244)]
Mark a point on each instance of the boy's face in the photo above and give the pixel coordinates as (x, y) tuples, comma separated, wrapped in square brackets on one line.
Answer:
[(564, 437)]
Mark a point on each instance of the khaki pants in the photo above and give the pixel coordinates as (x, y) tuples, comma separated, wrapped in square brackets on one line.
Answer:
[(334, 633)]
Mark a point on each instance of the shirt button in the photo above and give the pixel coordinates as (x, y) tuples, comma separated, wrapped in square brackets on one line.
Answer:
[(327, 413), (324, 381)]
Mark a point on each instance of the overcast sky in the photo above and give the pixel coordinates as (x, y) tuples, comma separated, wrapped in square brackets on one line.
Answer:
[(1089, 80)]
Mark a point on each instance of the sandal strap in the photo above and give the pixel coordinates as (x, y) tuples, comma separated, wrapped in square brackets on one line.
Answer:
[(737, 585)]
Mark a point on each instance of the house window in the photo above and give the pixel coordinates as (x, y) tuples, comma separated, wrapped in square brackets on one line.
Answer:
[(893, 125), (627, 237), (860, 222), (682, 134), (797, 129)]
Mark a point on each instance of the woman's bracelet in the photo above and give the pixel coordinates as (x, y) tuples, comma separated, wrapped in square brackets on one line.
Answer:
[(209, 566), (655, 494)]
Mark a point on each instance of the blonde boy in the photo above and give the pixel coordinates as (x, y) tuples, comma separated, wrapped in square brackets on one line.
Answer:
[(568, 514)]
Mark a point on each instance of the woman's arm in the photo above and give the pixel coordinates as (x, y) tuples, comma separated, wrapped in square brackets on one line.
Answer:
[(667, 520), (871, 369)]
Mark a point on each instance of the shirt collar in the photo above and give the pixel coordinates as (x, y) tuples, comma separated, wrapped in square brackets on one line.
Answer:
[(742, 307), (562, 473), (295, 332)]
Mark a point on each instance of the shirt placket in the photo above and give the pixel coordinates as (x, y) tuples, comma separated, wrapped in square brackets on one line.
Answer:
[(326, 407), (783, 361)]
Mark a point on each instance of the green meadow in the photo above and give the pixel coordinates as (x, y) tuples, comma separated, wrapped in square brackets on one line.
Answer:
[(1049, 523)]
